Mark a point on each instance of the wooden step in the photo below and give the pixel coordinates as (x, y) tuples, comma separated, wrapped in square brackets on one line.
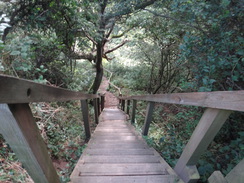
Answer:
[(116, 154), (122, 169), (125, 179), (121, 159), (120, 151)]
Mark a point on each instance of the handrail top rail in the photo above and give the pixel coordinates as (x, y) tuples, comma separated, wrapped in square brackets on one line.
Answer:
[(228, 100), (16, 90)]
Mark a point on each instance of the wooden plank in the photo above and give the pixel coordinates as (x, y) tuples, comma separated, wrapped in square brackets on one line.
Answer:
[(236, 175), (24, 91), (96, 109), (125, 179), (123, 105), (121, 159), (229, 100), (114, 133), (217, 177), (122, 145), (22, 134), (102, 102), (119, 151), (209, 125), (128, 107), (122, 169), (84, 108), (112, 138), (148, 118), (98, 106), (133, 115)]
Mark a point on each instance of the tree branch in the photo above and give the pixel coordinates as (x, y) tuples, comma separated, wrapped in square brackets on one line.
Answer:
[(177, 20), (117, 47)]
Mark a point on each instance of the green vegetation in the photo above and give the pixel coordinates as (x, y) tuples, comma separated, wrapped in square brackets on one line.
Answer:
[(151, 46)]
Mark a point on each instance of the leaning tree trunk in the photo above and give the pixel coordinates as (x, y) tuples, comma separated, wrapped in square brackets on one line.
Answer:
[(99, 69)]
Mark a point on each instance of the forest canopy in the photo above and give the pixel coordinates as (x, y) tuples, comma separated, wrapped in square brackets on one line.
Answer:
[(150, 46), (191, 45)]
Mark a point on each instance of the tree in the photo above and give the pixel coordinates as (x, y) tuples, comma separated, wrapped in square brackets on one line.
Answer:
[(87, 24)]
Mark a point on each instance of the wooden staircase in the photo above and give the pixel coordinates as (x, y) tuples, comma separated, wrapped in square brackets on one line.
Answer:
[(117, 154)]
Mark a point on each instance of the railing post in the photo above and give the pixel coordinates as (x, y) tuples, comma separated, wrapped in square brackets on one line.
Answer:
[(148, 118), (208, 126), (128, 107), (133, 115), (102, 102), (123, 104), (85, 114), (96, 108), (19, 129)]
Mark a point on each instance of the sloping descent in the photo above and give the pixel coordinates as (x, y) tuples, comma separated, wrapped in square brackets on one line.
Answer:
[(116, 154)]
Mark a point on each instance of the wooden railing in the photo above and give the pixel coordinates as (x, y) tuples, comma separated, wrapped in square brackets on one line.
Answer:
[(18, 126), (219, 106)]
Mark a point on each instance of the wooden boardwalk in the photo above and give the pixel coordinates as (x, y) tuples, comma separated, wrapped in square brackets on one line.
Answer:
[(116, 154)]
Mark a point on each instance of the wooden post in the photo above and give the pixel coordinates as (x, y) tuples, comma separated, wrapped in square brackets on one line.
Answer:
[(236, 174), (102, 102), (148, 118), (85, 114), (133, 115), (128, 107), (19, 129), (123, 104), (96, 108), (209, 125)]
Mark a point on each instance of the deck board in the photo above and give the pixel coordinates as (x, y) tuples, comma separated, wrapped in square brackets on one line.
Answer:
[(116, 154)]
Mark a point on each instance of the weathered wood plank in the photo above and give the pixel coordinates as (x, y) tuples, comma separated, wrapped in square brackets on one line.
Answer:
[(102, 102), (236, 175), (217, 177), (208, 126), (119, 151), (122, 169), (85, 111), (148, 118), (121, 159), (112, 138), (24, 91), (118, 145), (229, 100), (133, 115), (125, 179), (21, 132), (96, 110), (128, 107)]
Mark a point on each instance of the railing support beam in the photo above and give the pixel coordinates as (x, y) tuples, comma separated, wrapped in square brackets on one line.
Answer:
[(133, 114), (123, 104), (85, 114), (208, 126), (128, 107), (148, 118), (19, 129), (96, 109)]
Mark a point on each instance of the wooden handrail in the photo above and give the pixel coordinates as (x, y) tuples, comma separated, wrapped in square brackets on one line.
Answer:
[(219, 105), (18, 124), (15, 90), (228, 100)]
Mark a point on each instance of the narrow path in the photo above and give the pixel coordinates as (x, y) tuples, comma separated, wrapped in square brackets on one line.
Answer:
[(111, 100), (117, 154)]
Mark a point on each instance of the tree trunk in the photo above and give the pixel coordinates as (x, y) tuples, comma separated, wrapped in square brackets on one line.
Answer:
[(99, 69)]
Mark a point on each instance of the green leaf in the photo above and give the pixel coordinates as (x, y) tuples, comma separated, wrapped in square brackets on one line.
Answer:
[(15, 53)]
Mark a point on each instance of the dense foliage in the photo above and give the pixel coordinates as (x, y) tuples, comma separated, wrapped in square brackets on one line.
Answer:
[(151, 46)]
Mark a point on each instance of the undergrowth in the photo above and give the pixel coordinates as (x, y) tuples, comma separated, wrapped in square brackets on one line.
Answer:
[(172, 127), (61, 127)]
